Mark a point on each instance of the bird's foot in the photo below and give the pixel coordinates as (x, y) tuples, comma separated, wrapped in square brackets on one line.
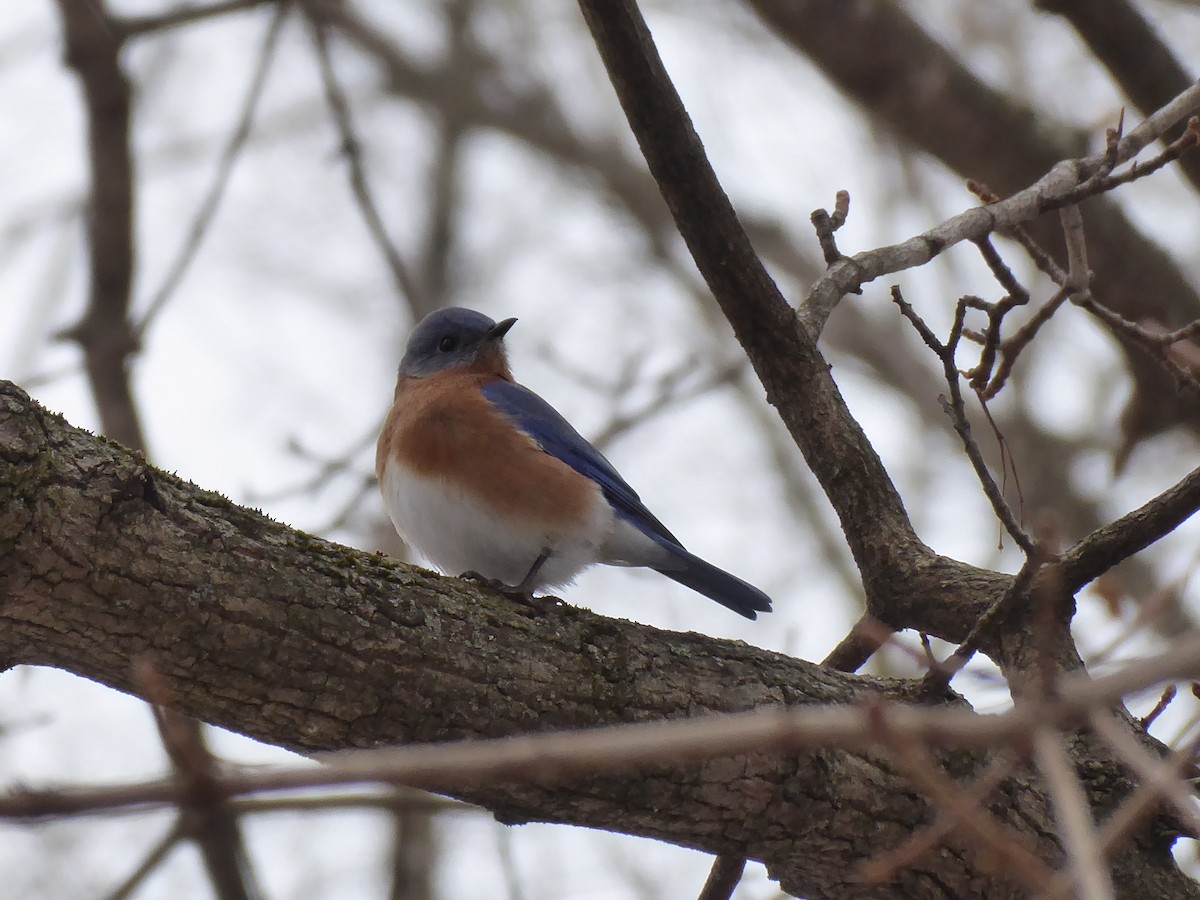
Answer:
[(540, 605), (494, 583)]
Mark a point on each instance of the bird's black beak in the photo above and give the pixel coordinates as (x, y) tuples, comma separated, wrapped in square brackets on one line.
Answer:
[(499, 330)]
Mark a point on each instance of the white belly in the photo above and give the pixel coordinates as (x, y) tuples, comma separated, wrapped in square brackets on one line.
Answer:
[(458, 534)]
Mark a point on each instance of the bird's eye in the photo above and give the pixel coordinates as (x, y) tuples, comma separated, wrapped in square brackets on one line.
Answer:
[(447, 344)]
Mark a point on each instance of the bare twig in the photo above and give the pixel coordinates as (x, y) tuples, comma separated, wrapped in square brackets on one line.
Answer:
[(864, 639), (151, 862), (1162, 780), (1102, 181), (1088, 867), (1079, 276), (104, 332), (1011, 348), (1133, 49), (434, 261), (884, 866), (326, 469), (962, 654), (1107, 546), (1074, 282), (139, 26), (826, 224), (723, 878), (389, 801), (956, 410), (1000, 847), (207, 210), (671, 389), (1058, 188), (204, 816), (351, 150), (1160, 707), (1150, 339), (1016, 295)]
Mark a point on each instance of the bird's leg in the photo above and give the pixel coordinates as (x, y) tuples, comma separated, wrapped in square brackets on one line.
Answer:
[(527, 583), (523, 591)]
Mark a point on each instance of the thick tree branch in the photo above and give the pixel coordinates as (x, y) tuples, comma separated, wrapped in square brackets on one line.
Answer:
[(315, 647), (105, 560), (562, 756), (783, 354)]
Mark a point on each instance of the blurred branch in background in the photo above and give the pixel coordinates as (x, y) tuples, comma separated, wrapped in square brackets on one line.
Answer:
[(105, 332), (203, 218)]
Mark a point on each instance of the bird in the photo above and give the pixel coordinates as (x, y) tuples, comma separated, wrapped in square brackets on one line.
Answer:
[(486, 479)]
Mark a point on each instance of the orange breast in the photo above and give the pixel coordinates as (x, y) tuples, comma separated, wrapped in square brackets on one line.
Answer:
[(443, 427)]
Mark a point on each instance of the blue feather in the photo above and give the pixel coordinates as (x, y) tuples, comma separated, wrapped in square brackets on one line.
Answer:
[(555, 436)]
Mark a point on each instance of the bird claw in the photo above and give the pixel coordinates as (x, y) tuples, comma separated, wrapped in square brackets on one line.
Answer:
[(495, 584), (540, 605)]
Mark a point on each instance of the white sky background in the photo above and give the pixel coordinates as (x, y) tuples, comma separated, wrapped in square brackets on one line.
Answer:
[(287, 330)]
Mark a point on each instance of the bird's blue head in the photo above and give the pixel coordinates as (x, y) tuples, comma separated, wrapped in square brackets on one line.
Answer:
[(455, 337)]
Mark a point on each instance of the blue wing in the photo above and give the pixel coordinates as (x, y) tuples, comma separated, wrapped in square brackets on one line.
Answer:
[(555, 436)]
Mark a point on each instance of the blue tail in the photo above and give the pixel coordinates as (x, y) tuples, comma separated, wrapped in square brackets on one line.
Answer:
[(717, 584)]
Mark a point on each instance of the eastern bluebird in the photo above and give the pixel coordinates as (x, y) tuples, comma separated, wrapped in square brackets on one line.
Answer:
[(482, 475)]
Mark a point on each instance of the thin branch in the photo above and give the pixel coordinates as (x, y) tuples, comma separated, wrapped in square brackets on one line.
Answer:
[(445, 203), (108, 341), (326, 469), (883, 868), (391, 801), (156, 855), (1011, 348), (999, 845), (1058, 188), (851, 653), (956, 410), (207, 210), (826, 224), (723, 878), (1162, 780), (1016, 295), (1134, 531), (203, 815), (351, 151), (140, 26), (1079, 276), (981, 630), (1160, 707), (1150, 339), (670, 390), (1132, 49), (1088, 867)]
